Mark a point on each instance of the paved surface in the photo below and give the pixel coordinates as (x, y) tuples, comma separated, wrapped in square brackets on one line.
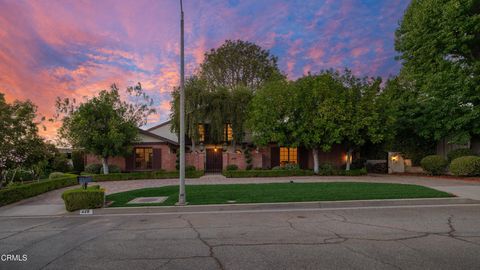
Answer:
[(426, 237), (50, 203)]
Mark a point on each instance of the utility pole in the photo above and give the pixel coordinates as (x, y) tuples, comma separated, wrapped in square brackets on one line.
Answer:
[(181, 194)]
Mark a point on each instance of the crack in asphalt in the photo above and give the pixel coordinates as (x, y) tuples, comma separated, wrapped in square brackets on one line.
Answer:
[(351, 249), (97, 235), (29, 228), (210, 247)]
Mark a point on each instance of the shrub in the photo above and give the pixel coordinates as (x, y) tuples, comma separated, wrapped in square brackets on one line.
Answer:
[(462, 152), (20, 192), (276, 168), (291, 166), (434, 164), (78, 160), (93, 168), (190, 168), (355, 172), (111, 169), (266, 173), (79, 198), (326, 169), (358, 163), (60, 163), (144, 175), (19, 175), (377, 167), (465, 166), (232, 167), (55, 175)]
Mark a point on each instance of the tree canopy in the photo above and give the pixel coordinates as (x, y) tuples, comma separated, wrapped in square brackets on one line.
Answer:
[(104, 125), (439, 45), (219, 93), (20, 144)]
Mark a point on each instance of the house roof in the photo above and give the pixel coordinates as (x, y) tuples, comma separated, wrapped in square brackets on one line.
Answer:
[(159, 125), (148, 133)]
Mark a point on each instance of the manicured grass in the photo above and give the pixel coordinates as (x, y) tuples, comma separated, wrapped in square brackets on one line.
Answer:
[(279, 192)]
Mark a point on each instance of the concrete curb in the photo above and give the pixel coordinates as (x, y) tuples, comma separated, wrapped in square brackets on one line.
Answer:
[(282, 206)]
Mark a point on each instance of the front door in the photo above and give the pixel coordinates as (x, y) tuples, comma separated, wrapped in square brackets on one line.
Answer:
[(214, 160)]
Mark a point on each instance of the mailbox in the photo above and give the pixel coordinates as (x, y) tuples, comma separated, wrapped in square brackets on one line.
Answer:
[(84, 180)]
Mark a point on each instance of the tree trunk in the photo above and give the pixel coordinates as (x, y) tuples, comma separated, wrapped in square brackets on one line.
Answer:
[(193, 146), (105, 165), (315, 160), (349, 159)]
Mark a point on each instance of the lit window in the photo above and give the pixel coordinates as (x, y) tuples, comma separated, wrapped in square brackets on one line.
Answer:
[(201, 133), (143, 158), (227, 133), (288, 155)]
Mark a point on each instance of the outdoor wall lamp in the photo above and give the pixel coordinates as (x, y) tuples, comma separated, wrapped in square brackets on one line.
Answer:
[(395, 158)]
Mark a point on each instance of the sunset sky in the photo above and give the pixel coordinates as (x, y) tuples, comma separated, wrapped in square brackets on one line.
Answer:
[(76, 48)]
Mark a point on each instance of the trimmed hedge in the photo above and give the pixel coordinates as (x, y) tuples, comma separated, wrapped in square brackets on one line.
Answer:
[(280, 173), (144, 175), (461, 152), (266, 173), (55, 175), (434, 164), (232, 167), (20, 192), (79, 198), (465, 166)]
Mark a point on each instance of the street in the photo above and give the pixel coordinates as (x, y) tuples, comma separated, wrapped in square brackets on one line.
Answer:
[(408, 237)]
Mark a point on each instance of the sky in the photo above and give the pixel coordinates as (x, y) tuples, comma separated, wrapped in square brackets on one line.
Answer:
[(61, 48)]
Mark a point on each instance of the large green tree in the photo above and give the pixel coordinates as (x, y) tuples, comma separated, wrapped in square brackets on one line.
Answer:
[(439, 45), (219, 93), (104, 125), (364, 113), (319, 113), (20, 144)]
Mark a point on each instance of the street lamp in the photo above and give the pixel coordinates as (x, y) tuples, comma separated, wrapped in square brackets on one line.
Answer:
[(181, 193)]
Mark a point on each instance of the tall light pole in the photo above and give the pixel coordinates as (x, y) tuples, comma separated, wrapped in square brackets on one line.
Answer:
[(181, 194)]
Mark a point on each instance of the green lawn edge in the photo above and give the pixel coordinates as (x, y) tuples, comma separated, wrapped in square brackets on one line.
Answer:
[(278, 192)]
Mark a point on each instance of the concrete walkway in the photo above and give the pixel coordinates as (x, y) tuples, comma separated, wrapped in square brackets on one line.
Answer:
[(50, 203)]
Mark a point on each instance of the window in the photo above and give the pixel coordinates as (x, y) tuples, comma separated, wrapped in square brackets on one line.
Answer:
[(288, 155), (227, 133), (201, 133), (143, 158)]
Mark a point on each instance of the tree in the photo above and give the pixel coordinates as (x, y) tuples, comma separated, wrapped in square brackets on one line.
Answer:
[(104, 125), (439, 45), (238, 63), (20, 144), (270, 117), (364, 112), (318, 112), (219, 93)]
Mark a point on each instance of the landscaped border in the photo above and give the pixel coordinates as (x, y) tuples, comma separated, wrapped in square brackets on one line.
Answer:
[(144, 175), (17, 193), (283, 173)]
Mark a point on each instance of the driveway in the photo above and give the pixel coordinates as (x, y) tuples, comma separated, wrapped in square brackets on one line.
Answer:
[(50, 203), (428, 237)]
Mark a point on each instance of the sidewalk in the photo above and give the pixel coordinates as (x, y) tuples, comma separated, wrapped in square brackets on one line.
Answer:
[(50, 203)]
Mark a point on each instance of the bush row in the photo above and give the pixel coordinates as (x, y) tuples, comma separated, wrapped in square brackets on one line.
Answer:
[(16, 193), (465, 166), (144, 175), (298, 172), (79, 198)]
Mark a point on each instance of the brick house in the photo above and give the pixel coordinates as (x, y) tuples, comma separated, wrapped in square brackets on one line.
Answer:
[(157, 149)]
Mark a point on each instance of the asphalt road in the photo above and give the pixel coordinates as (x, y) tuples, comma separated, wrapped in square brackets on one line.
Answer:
[(433, 237)]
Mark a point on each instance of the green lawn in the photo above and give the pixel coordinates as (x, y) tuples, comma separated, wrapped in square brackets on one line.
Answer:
[(279, 192)]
